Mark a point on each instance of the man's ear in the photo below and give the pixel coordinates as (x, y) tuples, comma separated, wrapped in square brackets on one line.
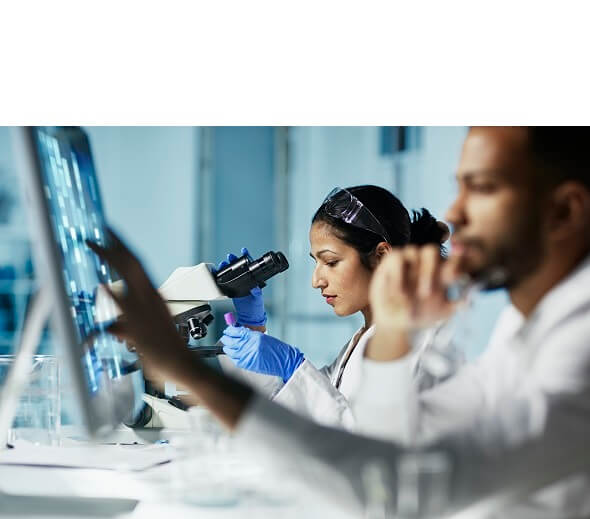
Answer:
[(569, 214)]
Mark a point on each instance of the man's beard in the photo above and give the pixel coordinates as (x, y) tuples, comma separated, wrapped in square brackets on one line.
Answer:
[(510, 261)]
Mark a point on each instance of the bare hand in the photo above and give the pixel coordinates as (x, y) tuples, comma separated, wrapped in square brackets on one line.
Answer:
[(409, 288), (147, 322), (148, 325), (408, 291)]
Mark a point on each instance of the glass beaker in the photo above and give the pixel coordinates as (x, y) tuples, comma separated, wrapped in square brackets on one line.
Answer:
[(38, 415), (204, 468), (423, 484)]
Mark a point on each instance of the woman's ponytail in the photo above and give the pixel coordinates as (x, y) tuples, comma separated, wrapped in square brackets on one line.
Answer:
[(425, 229), (419, 229)]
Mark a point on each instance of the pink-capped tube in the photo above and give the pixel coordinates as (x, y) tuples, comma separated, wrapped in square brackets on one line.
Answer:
[(230, 319)]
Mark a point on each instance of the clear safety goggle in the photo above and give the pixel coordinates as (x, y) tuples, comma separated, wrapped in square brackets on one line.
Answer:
[(342, 204)]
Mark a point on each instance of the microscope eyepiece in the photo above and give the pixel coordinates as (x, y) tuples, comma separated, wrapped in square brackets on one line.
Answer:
[(268, 265), (243, 274)]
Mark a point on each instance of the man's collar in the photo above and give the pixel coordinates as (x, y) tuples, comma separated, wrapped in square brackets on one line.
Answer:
[(565, 297)]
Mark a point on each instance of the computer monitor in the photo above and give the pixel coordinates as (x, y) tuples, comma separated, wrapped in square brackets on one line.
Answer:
[(65, 208)]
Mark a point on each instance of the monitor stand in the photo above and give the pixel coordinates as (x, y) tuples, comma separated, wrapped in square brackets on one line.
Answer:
[(18, 376)]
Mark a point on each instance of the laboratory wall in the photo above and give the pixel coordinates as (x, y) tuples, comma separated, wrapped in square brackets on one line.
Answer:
[(148, 182), (182, 195), (16, 270), (421, 175)]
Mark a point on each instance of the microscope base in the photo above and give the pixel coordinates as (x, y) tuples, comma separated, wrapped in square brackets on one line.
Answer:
[(165, 414)]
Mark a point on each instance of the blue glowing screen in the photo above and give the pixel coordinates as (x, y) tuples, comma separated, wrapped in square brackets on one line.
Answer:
[(76, 214)]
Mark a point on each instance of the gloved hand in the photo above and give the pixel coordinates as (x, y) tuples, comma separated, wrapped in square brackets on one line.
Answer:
[(259, 352), (250, 308)]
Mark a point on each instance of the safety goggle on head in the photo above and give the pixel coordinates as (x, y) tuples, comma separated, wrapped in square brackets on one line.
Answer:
[(343, 205)]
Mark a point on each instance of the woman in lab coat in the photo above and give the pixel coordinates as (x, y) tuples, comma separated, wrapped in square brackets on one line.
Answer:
[(350, 233)]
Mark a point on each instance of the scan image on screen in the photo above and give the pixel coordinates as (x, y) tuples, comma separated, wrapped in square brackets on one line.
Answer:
[(76, 214)]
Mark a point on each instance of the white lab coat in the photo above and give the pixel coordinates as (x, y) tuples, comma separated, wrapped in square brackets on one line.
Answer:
[(320, 394), (521, 410), (325, 394)]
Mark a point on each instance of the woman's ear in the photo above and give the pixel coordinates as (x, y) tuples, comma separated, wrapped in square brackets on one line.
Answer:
[(381, 250)]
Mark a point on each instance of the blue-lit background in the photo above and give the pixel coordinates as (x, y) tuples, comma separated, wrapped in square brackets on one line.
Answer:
[(185, 195)]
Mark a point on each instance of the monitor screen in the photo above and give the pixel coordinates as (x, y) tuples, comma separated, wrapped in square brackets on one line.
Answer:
[(71, 204)]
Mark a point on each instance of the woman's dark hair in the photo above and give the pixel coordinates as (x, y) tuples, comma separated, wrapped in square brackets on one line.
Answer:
[(422, 228)]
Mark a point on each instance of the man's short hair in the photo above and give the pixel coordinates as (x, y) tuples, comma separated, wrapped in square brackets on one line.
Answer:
[(563, 152)]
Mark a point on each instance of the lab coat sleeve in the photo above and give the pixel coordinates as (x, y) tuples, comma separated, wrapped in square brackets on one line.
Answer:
[(387, 404), (378, 410), (267, 385), (332, 461), (310, 391), (325, 459)]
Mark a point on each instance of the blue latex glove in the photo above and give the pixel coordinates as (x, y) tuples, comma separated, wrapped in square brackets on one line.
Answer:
[(259, 352), (250, 308)]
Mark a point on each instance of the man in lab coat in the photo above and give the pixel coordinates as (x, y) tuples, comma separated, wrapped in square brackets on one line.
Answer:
[(521, 221)]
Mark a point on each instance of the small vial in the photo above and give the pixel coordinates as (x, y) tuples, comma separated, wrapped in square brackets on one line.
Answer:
[(230, 319)]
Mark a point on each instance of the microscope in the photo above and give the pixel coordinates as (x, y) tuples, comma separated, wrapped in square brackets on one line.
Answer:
[(187, 293), (188, 290)]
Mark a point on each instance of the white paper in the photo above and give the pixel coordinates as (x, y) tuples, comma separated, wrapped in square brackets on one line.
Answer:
[(107, 457)]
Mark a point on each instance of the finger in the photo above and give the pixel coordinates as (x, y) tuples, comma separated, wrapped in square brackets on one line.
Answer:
[(411, 269), (380, 281), (386, 283), (236, 332), (231, 257), (124, 261), (392, 267), (105, 255), (119, 298), (119, 329), (120, 259), (222, 265), (124, 336), (230, 343), (116, 243), (429, 276), (256, 291), (245, 252), (232, 353), (100, 251)]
